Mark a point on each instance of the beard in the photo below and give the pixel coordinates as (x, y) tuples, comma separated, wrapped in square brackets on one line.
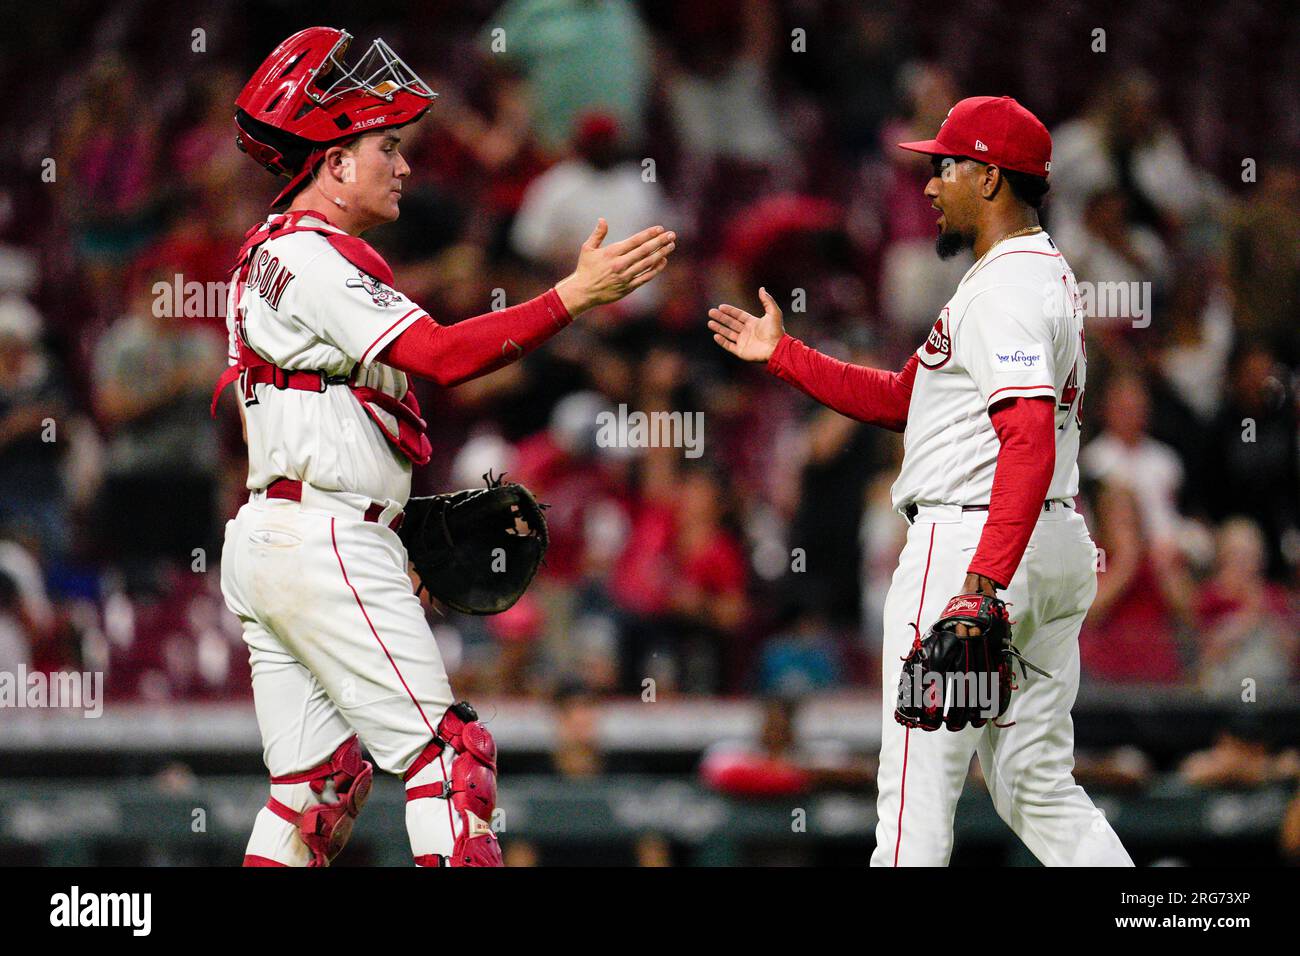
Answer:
[(951, 242)]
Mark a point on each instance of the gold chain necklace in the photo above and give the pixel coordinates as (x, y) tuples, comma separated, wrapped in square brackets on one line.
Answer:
[(1018, 233), (1027, 231)]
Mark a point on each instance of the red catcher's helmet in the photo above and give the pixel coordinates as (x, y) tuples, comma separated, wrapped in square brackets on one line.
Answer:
[(304, 99)]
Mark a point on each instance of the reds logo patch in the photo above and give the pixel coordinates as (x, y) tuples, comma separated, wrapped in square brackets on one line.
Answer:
[(379, 293), (938, 344)]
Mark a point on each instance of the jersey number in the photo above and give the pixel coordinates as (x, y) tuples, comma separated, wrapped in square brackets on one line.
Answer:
[(245, 384), (1072, 394)]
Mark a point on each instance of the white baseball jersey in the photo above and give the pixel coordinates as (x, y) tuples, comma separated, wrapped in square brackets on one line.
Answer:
[(1013, 328), (306, 307)]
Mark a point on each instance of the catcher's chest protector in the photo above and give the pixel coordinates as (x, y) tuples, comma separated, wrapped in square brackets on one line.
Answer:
[(398, 420)]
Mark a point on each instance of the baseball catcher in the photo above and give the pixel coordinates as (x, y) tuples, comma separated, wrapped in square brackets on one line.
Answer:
[(322, 347)]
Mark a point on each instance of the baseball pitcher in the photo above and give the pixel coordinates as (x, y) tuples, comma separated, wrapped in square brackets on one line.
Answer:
[(322, 345), (989, 409)]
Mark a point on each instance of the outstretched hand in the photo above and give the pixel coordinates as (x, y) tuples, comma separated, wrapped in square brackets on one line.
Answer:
[(750, 337), (605, 274)]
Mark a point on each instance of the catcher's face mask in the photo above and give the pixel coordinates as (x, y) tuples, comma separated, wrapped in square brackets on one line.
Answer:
[(305, 97), (380, 73)]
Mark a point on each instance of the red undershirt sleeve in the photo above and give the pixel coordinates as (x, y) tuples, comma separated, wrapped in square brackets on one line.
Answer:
[(871, 395), (452, 354), (1026, 428)]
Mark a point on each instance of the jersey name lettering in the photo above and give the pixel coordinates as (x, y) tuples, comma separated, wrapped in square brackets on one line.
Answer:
[(269, 277)]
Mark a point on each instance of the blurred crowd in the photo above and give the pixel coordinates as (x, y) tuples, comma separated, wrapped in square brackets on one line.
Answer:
[(761, 565)]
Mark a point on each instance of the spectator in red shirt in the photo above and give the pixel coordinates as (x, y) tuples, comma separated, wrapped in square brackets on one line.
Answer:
[(680, 583), (1143, 592), (563, 466)]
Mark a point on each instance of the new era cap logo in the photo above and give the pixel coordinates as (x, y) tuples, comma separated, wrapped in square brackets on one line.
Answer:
[(980, 147)]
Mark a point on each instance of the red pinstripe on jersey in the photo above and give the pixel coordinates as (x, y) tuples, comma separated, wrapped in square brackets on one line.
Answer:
[(1022, 388), (366, 353)]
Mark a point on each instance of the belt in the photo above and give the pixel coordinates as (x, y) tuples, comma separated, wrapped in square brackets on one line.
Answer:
[(301, 380), (291, 489), (1049, 505)]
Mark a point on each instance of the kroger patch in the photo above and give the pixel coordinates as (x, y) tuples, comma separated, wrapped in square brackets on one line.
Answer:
[(1018, 360)]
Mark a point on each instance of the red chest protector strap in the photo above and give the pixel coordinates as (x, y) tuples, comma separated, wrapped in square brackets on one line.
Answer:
[(252, 369)]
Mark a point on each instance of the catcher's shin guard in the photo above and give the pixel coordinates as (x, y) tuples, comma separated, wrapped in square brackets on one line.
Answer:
[(463, 834), (341, 785)]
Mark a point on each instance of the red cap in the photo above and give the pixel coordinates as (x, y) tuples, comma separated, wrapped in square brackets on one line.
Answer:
[(992, 129), (595, 127)]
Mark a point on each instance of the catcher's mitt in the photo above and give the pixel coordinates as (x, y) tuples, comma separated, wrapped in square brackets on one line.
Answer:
[(957, 681), (476, 550)]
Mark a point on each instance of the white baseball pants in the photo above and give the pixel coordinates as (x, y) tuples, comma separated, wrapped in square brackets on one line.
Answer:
[(338, 645), (1028, 762)]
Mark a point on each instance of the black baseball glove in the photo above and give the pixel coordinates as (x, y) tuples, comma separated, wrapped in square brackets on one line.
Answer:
[(957, 681), (476, 550)]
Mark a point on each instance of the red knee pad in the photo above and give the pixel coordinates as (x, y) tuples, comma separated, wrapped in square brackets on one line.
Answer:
[(461, 729), (474, 768), (326, 827), (473, 784), (472, 788)]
